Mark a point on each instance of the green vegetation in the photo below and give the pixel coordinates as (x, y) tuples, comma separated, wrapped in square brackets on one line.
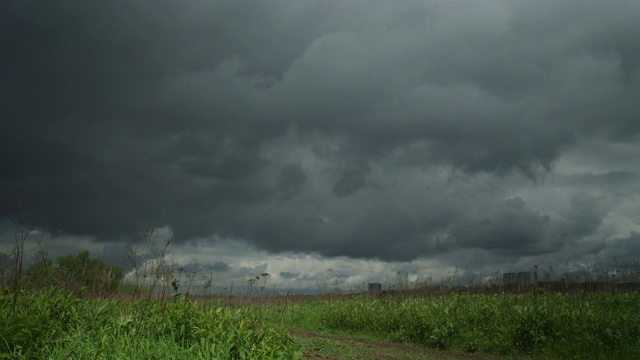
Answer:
[(74, 307), (60, 322), (79, 274), (539, 325), (56, 325)]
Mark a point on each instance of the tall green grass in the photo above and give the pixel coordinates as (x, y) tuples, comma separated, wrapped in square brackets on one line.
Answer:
[(56, 325), (546, 325)]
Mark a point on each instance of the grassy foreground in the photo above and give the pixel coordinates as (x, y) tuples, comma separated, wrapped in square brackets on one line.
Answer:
[(541, 325), (55, 325)]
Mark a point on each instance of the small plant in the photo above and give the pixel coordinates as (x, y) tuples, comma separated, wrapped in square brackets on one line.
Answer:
[(151, 270), (16, 254)]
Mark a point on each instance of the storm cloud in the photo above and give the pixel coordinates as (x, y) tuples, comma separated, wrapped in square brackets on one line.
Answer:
[(386, 131)]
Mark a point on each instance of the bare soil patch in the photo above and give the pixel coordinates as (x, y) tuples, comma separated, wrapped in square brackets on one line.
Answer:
[(380, 349)]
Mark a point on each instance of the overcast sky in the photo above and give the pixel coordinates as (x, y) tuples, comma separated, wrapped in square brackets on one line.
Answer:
[(324, 141)]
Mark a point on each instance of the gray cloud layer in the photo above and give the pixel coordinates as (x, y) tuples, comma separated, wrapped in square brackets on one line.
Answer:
[(390, 130)]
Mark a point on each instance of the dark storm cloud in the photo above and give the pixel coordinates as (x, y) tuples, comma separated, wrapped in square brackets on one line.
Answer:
[(350, 181), (584, 216), (220, 266), (314, 126), (291, 180), (289, 275), (619, 185), (512, 228)]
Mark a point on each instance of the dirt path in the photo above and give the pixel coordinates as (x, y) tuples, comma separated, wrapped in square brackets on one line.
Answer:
[(318, 346)]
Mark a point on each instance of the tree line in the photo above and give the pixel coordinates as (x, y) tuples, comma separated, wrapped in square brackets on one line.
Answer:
[(78, 274)]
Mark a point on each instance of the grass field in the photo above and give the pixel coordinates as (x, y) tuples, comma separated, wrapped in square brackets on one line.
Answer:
[(55, 325), (574, 325)]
